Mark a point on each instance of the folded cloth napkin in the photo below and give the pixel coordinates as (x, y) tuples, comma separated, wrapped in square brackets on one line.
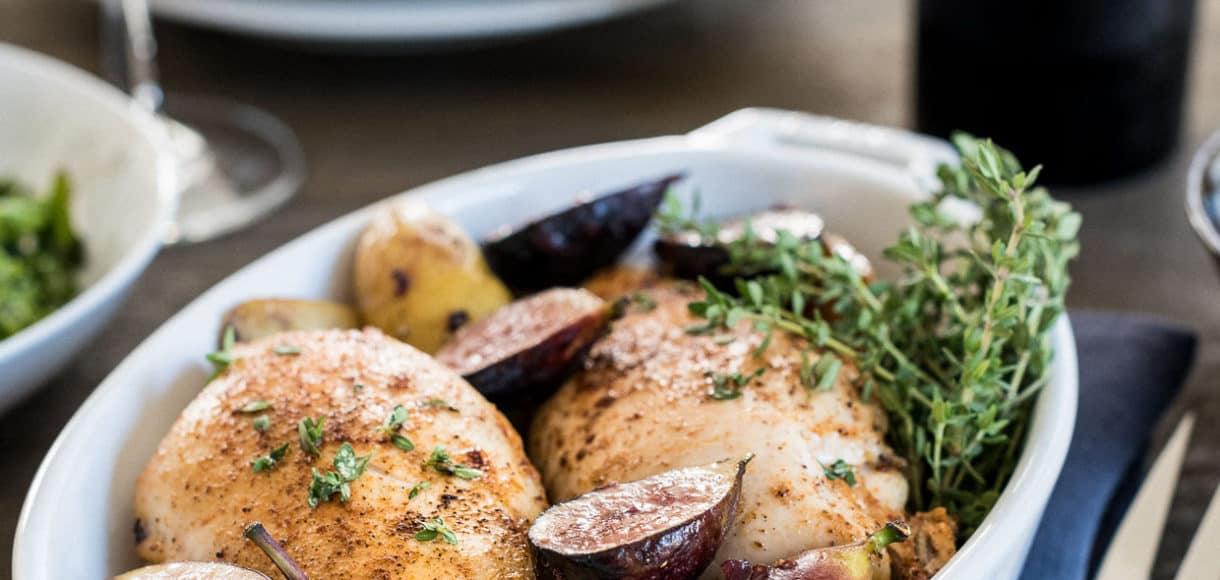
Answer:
[(1130, 370)]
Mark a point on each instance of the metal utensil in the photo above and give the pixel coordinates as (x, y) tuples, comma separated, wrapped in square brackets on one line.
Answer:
[(236, 163), (1202, 559), (1133, 551)]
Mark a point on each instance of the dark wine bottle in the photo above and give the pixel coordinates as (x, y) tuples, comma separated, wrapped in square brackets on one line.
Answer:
[(1092, 89)]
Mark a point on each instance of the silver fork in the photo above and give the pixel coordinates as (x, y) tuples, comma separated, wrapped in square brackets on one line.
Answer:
[(1132, 553)]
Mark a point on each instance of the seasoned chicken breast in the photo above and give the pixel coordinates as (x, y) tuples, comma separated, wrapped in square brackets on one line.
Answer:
[(648, 402), (201, 487)]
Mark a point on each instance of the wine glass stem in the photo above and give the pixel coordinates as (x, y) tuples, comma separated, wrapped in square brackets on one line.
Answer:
[(131, 50)]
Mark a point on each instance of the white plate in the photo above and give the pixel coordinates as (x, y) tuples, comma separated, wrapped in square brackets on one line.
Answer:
[(860, 178), (424, 22), (54, 116)]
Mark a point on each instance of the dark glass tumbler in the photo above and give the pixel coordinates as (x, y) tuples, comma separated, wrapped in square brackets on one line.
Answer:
[(1092, 89)]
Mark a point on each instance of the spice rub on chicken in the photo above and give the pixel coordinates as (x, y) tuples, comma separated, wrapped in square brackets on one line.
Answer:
[(445, 492), (654, 397)]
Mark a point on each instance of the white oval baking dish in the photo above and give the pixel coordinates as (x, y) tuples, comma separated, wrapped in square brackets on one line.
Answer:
[(860, 178)]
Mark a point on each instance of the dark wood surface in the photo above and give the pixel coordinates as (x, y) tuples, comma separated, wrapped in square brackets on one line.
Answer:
[(375, 125)]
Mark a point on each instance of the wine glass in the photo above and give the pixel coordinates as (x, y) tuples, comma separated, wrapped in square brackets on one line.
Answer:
[(236, 163)]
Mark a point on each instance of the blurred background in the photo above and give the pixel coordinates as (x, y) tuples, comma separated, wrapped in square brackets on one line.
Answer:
[(373, 122)]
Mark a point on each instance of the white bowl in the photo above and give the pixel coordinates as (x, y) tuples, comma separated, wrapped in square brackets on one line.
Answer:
[(53, 116), (860, 178)]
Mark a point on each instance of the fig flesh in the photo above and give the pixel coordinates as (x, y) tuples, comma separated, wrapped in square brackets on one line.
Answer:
[(664, 527), (862, 560), (565, 248), (530, 345)]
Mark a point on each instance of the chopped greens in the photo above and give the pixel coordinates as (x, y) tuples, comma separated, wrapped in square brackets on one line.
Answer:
[(954, 350), (432, 529), (39, 253), (438, 403), (402, 442), (727, 387), (268, 461), (310, 432), (645, 302), (255, 406), (287, 349), (348, 468), (393, 421), (441, 461), (262, 423), (839, 470), (221, 359), (418, 487)]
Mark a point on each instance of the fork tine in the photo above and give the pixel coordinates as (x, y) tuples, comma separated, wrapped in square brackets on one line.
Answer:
[(1203, 558), (1133, 551)]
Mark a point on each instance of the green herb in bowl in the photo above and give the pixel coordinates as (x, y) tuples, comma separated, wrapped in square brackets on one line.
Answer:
[(39, 253)]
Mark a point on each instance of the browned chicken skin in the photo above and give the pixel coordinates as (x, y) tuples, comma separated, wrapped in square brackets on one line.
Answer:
[(199, 490), (644, 405)]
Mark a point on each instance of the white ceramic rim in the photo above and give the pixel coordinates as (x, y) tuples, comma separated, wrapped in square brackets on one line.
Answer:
[(394, 20), (1020, 505), (127, 268), (1196, 178)]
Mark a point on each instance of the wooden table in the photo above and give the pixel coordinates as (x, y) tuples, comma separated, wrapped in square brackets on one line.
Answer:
[(376, 125)]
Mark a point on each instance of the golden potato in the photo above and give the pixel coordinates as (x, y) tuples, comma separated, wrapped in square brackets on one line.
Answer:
[(191, 571), (419, 276), (255, 319)]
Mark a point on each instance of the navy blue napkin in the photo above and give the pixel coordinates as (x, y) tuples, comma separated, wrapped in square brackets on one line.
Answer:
[(1131, 368)]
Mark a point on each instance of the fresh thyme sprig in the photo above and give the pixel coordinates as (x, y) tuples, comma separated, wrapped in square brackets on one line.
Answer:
[(955, 348)]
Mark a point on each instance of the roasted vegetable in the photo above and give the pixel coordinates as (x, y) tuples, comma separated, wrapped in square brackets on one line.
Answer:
[(530, 345), (255, 319), (191, 571), (863, 560), (567, 247), (932, 544), (665, 527), (693, 253), (419, 276), (616, 282)]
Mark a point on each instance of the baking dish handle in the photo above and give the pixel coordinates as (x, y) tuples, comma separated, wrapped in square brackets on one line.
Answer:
[(918, 154)]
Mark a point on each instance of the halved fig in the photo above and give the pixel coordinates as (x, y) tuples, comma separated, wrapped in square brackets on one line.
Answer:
[(567, 247), (664, 527), (862, 560), (531, 344), (691, 255), (192, 571)]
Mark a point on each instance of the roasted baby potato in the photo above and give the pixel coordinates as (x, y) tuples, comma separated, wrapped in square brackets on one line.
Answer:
[(255, 319), (419, 277), (191, 571), (619, 281), (863, 560)]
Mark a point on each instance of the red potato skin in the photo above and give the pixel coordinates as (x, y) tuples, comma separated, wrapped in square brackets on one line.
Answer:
[(680, 553)]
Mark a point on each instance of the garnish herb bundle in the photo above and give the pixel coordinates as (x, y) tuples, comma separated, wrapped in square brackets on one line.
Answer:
[(954, 349)]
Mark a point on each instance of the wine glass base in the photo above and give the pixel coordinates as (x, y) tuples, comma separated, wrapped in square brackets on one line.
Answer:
[(236, 164)]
